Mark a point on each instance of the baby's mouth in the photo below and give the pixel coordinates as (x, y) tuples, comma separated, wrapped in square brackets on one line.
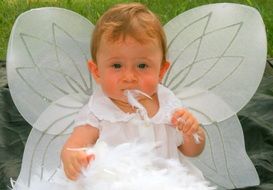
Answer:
[(134, 93)]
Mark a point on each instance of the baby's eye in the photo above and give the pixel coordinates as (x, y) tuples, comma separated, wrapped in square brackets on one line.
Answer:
[(116, 65), (142, 65)]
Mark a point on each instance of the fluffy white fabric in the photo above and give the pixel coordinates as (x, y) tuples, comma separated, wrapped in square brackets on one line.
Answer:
[(129, 166)]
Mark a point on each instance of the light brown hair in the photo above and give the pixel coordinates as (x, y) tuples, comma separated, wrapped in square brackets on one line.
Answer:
[(130, 19)]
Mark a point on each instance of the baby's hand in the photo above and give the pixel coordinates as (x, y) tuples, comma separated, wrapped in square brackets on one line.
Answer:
[(73, 162), (185, 122)]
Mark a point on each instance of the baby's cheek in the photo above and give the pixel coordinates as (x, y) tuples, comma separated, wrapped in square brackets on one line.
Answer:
[(149, 85), (109, 88)]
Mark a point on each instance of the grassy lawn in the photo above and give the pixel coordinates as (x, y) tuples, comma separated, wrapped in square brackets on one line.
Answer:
[(92, 9)]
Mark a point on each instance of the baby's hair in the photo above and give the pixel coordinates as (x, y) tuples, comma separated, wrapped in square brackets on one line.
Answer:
[(129, 19)]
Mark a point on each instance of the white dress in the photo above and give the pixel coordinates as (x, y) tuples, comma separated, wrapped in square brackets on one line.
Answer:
[(117, 127), (141, 155)]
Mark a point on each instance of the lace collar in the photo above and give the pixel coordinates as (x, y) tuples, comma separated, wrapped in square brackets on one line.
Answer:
[(104, 109)]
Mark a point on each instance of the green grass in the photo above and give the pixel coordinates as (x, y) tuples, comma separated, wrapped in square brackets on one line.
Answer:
[(92, 9)]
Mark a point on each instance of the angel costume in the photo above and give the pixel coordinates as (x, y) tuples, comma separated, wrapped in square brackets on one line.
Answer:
[(117, 127), (131, 152)]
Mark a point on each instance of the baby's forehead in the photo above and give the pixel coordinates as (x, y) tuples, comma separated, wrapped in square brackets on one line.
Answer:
[(128, 38)]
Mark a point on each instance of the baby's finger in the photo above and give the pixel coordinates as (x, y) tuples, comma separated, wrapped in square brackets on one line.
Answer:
[(176, 115), (77, 165), (187, 126), (71, 172), (193, 129), (181, 122), (180, 112), (86, 160), (91, 157)]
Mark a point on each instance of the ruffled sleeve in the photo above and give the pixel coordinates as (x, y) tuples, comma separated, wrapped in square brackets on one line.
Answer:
[(86, 117)]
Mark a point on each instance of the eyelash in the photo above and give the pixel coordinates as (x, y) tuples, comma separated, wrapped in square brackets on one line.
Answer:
[(139, 66), (116, 65), (142, 66)]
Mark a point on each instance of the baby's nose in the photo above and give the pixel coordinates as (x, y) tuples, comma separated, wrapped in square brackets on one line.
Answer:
[(129, 76)]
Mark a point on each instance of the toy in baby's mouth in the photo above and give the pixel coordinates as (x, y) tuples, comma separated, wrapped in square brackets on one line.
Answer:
[(217, 54)]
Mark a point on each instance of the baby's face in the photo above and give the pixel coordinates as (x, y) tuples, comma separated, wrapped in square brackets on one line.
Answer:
[(127, 64)]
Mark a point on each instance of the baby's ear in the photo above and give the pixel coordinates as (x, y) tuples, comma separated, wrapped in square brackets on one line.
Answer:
[(164, 68), (93, 69)]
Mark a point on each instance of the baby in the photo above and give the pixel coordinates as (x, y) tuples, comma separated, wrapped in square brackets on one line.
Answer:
[(129, 54)]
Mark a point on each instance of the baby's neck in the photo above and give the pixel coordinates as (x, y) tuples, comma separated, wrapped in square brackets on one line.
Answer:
[(151, 105)]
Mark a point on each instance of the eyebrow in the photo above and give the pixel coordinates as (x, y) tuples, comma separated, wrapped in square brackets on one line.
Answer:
[(112, 58), (120, 58)]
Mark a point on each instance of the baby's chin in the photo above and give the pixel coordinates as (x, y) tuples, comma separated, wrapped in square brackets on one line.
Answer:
[(121, 99)]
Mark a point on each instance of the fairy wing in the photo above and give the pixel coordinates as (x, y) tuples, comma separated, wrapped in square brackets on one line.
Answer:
[(218, 49), (47, 56), (49, 82), (218, 55)]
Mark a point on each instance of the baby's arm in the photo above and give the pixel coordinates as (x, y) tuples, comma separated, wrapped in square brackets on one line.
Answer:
[(188, 125), (74, 161)]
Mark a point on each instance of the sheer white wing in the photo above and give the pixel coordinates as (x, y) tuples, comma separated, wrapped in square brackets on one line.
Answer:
[(218, 56), (224, 160), (41, 157), (47, 57), (218, 49), (49, 82)]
